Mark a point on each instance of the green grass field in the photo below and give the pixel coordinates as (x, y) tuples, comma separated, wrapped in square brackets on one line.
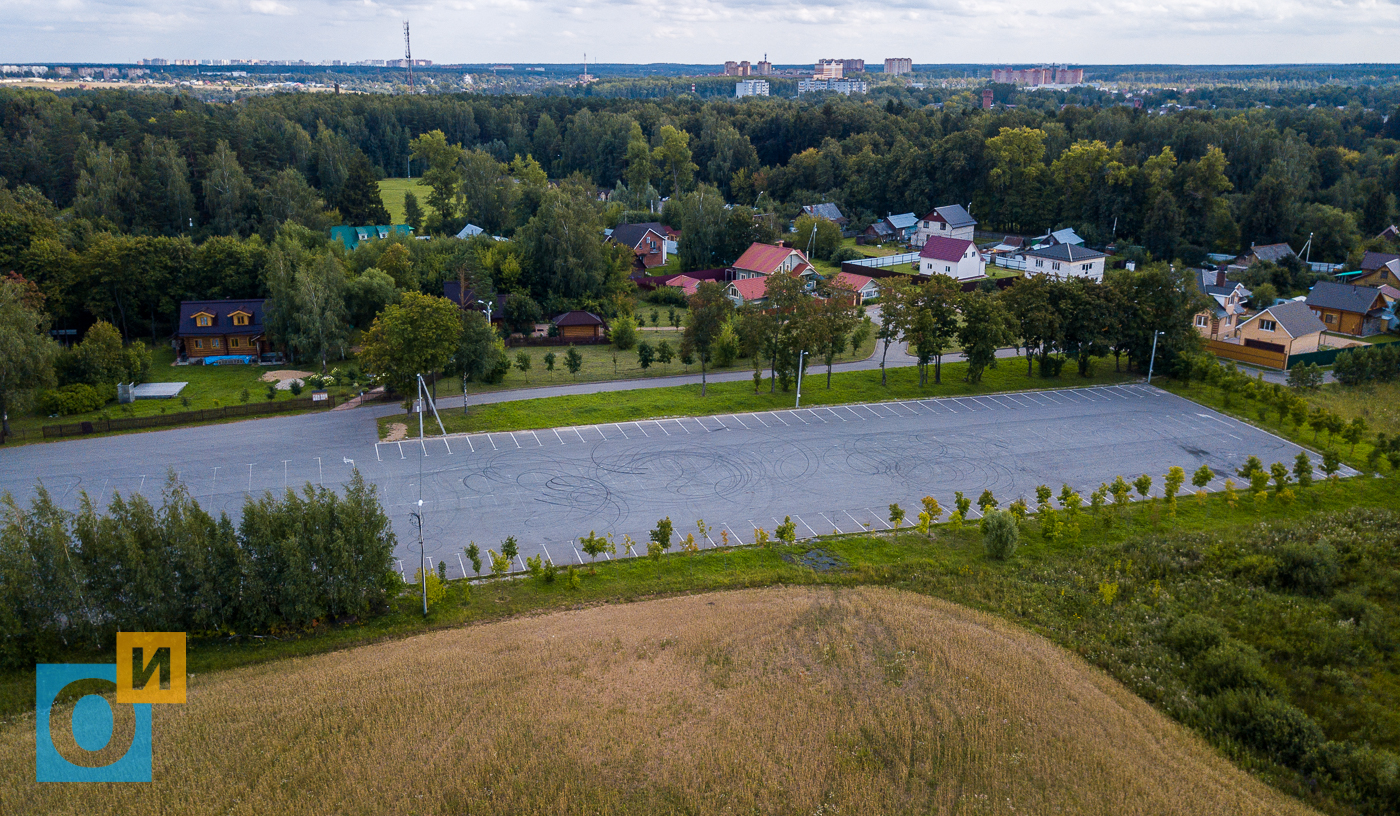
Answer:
[(732, 397), (209, 387), (392, 190)]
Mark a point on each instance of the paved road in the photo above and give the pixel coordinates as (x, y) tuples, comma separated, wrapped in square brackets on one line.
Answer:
[(830, 468)]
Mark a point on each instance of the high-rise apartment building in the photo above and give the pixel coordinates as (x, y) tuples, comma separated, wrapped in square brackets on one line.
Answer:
[(828, 69), (899, 65), (751, 87)]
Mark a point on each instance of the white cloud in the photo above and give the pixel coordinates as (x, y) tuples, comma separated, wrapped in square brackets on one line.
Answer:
[(709, 31)]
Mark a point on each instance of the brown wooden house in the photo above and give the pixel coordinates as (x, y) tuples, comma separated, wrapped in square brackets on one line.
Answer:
[(221, 328), (1347, 309), (581, 327)]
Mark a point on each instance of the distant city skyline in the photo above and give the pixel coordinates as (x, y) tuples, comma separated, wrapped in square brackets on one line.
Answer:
[(705, 31)]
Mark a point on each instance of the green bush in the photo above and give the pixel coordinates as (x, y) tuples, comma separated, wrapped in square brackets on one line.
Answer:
[(78, 398), (1229, 665), (1310, 569), (844, 254), (1000, 535), (1267, 724), (1194, 635)]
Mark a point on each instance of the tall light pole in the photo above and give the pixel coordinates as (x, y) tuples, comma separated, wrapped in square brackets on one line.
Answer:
[(801, 358), (1153, 358), (488, 309)]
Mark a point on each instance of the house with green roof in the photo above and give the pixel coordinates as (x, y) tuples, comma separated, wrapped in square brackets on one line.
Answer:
[(352, 237)]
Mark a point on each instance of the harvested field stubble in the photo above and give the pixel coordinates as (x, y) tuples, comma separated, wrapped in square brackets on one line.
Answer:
[(789, 700)]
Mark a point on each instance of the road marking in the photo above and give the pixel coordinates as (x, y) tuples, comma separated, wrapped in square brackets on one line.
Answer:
[(805, 524), (619, 430), (449, 447), (738, 420), (663, 430), (284, 473), (401, 456), (537, 439), (462, 564), (833, 524), (960, 402), (683, 428), (513, 439), (838, 416), (576, 555), (940, 404), (854, 414), (557, 436), (774, 414), (424, 442), (816, 416), (580, 436), (250, 474), (760, 420), (858, 522), (643, 430), (376, 455), (731, 532), (599, 429), (798, 417), (547, 556), (877, 518)]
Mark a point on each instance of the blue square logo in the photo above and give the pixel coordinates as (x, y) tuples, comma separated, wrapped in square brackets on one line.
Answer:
[(92, 728)]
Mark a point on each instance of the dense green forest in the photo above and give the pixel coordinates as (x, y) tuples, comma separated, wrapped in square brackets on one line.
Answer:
[(119, 204)]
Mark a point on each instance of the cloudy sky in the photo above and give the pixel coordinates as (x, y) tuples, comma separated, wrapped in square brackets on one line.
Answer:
[(707, 31)]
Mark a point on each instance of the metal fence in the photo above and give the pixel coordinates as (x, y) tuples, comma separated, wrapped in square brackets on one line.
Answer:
[(185, 417), (884, 261), (1323, 357)]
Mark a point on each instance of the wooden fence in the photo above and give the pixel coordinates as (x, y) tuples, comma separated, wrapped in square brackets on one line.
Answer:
[(1246, 354), (185, 417)]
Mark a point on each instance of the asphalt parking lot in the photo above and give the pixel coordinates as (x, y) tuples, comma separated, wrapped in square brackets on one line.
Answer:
[(834, 468)]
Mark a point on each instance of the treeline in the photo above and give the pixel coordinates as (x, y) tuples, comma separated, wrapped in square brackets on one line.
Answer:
[(1108, 171), (69, 580)]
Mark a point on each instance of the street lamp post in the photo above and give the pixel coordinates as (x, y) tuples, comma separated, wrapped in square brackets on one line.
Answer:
[(488, 309), (1153, 359), (801, 357)]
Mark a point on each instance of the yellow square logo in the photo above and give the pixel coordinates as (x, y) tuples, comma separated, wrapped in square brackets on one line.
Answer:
[(151, 667)]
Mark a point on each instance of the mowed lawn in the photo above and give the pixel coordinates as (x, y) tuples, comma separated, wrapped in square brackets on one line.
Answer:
[(391, 190), (795, 700), (739, 397), (598, 363), (209, 387)]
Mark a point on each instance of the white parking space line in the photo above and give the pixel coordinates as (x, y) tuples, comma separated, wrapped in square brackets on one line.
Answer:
[(798, 417), (580, 436), (663, 430), (537, 439), (816, 416), (963, 404), (760, 420), (619, 430), (738, 420), (599, 429), (838, 416), (862, 525), (726, 526), (805, 524), (774, 414), (683, 428), (513, 439), (939, 403), (853, 413), (444, 443), (557, 436), (643, 430), (888, 526), (833, 524)]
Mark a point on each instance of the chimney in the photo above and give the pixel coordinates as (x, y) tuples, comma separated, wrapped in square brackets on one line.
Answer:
[(1219, 277)]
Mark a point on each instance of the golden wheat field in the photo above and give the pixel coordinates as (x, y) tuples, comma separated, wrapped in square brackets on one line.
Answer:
[(787, 700)]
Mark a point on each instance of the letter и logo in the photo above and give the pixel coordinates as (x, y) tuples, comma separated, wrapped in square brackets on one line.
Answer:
[(150, 669)]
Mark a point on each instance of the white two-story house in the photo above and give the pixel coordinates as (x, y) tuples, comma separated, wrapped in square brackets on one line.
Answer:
[(951, 221), (1066, 261), (955, 257)]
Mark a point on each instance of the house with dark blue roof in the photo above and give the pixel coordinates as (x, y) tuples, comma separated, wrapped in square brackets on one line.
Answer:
[(221, 331)]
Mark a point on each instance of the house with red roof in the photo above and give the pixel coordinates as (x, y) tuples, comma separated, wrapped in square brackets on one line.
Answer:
[(863, 287), (748, 290), (685, 283), (767, 259), (957, 258)]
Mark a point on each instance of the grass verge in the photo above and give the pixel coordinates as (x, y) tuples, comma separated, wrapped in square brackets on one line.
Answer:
[(739, 397)]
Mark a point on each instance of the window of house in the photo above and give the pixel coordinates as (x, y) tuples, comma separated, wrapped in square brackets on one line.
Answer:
[(942, 225), (1085, 267), (1329, 318), (1385, 273), (1267, 325), (233, 342), (947, 269), (1040, 263), (240, 320), (204, 320), (214, 343), (1055, 265), (1201, 321), (199, 344)]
